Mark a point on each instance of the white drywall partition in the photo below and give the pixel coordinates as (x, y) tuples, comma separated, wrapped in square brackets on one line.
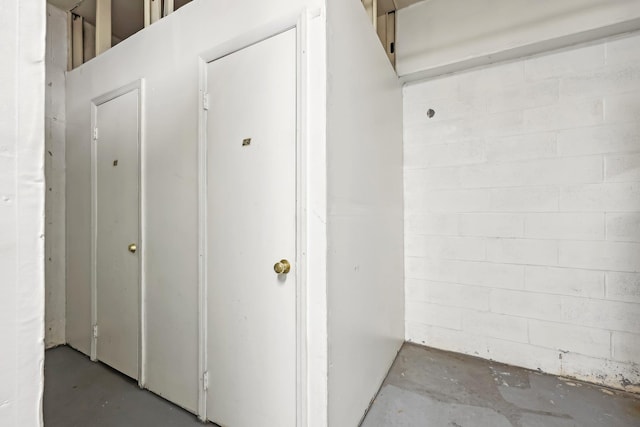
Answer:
[(166, 56), (522, 212), (22, 29), (364, 203), (439, 36), (56, 66)]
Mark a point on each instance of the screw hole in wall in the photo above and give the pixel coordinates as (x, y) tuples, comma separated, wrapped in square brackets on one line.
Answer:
[(430, 113)]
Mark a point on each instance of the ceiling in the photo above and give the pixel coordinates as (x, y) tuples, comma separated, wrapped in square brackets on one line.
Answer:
[(128, 15)]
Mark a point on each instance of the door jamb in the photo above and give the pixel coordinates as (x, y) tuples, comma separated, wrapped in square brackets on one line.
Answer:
[(95, 103), (299, 23)]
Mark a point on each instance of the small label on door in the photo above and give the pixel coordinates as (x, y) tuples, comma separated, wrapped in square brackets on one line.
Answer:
[(115, 163)]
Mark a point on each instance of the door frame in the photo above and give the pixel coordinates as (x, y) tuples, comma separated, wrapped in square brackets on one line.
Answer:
[(299, 22), (95, 103)]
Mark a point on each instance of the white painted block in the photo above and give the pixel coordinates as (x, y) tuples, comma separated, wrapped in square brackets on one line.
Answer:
[(477, 127), (608, 372), (495, 325), (437, 132), (449, 248), (497, 124), (449, 154), (616, 256), (450, 294), (601, 197), (602, 314), (476, 83), (618, 138), (534, 199), (526, 304), (622, 167), (430, 179), (522, 147), (534, 173), (491, 224), (431, 224), (519, 97), (565, 62), (622, 108), (434, 314), (623, 227), (588, 341), (441, 87), (522, 251), (623, 286), (623, 50), (608, 80), (417, 201), (626, 347), (490, 274), (569, 114), (525, 355), (578, 226), (446, 108), (564, 281), (446, 339), (438, 271)]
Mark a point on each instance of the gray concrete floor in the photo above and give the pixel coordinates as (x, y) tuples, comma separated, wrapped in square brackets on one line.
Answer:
[(425, 388), (432, 388), (79, 393)]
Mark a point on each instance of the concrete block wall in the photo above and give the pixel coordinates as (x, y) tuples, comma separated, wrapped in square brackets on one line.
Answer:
[(522, 212)]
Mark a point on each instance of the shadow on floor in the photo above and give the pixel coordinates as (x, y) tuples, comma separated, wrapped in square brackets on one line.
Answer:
[(433, 388), (80, 393)]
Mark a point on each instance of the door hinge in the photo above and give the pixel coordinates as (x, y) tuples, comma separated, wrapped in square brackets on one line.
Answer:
[(95, 331), (205, 101), (95, 134), (205, 380)]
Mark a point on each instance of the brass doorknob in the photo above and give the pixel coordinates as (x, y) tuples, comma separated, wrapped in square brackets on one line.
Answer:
[(133, 248), (282, 267)]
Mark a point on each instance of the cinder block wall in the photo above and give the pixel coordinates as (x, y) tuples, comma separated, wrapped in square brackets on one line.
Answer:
[(522, 212)]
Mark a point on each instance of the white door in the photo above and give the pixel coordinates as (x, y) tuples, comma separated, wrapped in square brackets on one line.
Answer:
[(117, 230), (251, 225)]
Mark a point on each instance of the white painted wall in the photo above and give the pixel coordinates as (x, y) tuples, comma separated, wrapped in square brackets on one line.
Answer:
[(22, 29), (170, 185), (439, 36), (364, 203), (522, 212), (56, 66)]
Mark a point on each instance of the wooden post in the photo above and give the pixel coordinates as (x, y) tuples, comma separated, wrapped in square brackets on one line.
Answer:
[(103, 26), (77, 40), (156, 10), (69, 41), (147, 13), (168, 7)]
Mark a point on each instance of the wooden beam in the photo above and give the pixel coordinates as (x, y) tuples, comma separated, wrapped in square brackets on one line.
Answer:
[(168, 7), (156, 10), (77, 40), (147, 13), (69, 41), (103, 26)]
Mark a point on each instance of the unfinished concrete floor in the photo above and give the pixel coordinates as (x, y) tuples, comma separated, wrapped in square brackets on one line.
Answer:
[(425, 388), (80, 393), (432, 388)]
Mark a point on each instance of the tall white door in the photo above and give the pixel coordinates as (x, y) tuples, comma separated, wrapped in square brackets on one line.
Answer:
[(117, 233), (251, 226)]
